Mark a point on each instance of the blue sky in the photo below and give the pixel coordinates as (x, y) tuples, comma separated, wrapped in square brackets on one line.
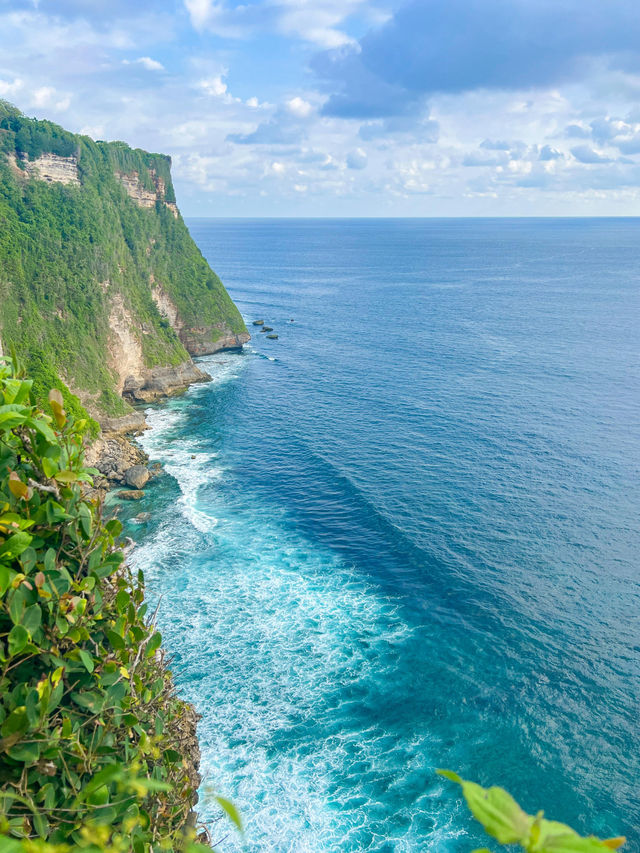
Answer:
[(349, 107)]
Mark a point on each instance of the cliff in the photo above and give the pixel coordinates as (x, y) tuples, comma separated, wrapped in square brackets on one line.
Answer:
[(104, 294)]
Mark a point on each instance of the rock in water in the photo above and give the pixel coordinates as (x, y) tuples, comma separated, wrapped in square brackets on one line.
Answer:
[(258, 322), (266, 329), (131, 495), (272, 337), (142, 517), (136, 476)]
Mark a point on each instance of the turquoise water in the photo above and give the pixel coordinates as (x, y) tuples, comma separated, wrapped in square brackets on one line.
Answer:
[(405, 535)]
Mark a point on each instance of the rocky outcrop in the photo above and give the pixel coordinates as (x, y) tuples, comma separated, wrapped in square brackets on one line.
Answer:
[(203, 340), (136, 381), (146, 197), (137, 476), (159, 382), (131, 495), (210, 339), (114, 455), (52, 168), (129, 424)]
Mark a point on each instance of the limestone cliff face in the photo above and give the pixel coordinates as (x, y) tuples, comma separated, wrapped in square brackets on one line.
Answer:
[(145, 197), (197, 340), (135, 381), (52, 168)]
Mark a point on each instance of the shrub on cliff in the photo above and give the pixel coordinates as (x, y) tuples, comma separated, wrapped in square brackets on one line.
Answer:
[(89, 721)]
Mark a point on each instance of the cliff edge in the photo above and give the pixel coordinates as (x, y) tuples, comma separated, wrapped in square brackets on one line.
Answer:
[(104, 293)]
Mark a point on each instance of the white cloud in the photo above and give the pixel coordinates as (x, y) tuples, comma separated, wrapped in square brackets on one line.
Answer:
[(46, 97), (200, 11), (146, 62), (299, 107), (214, 86), (315, 21), (7, 89)]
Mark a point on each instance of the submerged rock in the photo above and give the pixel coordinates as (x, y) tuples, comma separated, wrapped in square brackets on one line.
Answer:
[(272, 337), (258, 322), (142, 517), (136, 476), (131, 494), (266, 329)]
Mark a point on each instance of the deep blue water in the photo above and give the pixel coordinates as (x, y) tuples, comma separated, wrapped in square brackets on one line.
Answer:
[(405, 535)]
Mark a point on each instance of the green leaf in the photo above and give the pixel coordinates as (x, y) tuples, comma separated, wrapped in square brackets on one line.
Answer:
[(86, 659), (16, 722), (93, 701), (9, 420), (5, 578), (49, 467), (66, 476), (86, 519), (102, 777), (154, 644), (496, 810), (115, 639), (18, 639), (15, 545), (503, 818), (27, 753), (32, 707), (43, 428), (231, 811), (32, 618), (114, 526), (122, 600)]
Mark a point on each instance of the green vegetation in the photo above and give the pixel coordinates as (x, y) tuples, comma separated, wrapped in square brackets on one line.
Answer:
[(504, 820), (90, 726), (66, 250)]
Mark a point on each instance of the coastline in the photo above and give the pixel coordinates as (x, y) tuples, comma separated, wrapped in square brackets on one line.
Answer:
[(118, 456)]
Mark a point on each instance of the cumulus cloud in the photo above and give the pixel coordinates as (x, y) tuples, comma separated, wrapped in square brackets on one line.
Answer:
[(452, 46), (299, 107), (399, 125), (586, 154), (146, 62), (10, 88), (214, 86), (319, 22)]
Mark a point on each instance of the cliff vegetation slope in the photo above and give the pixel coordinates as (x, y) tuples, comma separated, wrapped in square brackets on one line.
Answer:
[(104, 294)]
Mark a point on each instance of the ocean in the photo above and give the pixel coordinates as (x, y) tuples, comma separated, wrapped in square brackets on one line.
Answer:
[(405, 535)]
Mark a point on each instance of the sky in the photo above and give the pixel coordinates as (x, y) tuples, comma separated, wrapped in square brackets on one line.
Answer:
[(348, 107)]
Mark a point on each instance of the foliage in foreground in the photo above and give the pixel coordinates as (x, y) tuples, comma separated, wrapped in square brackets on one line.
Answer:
[(89, 722), (504, 820)]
